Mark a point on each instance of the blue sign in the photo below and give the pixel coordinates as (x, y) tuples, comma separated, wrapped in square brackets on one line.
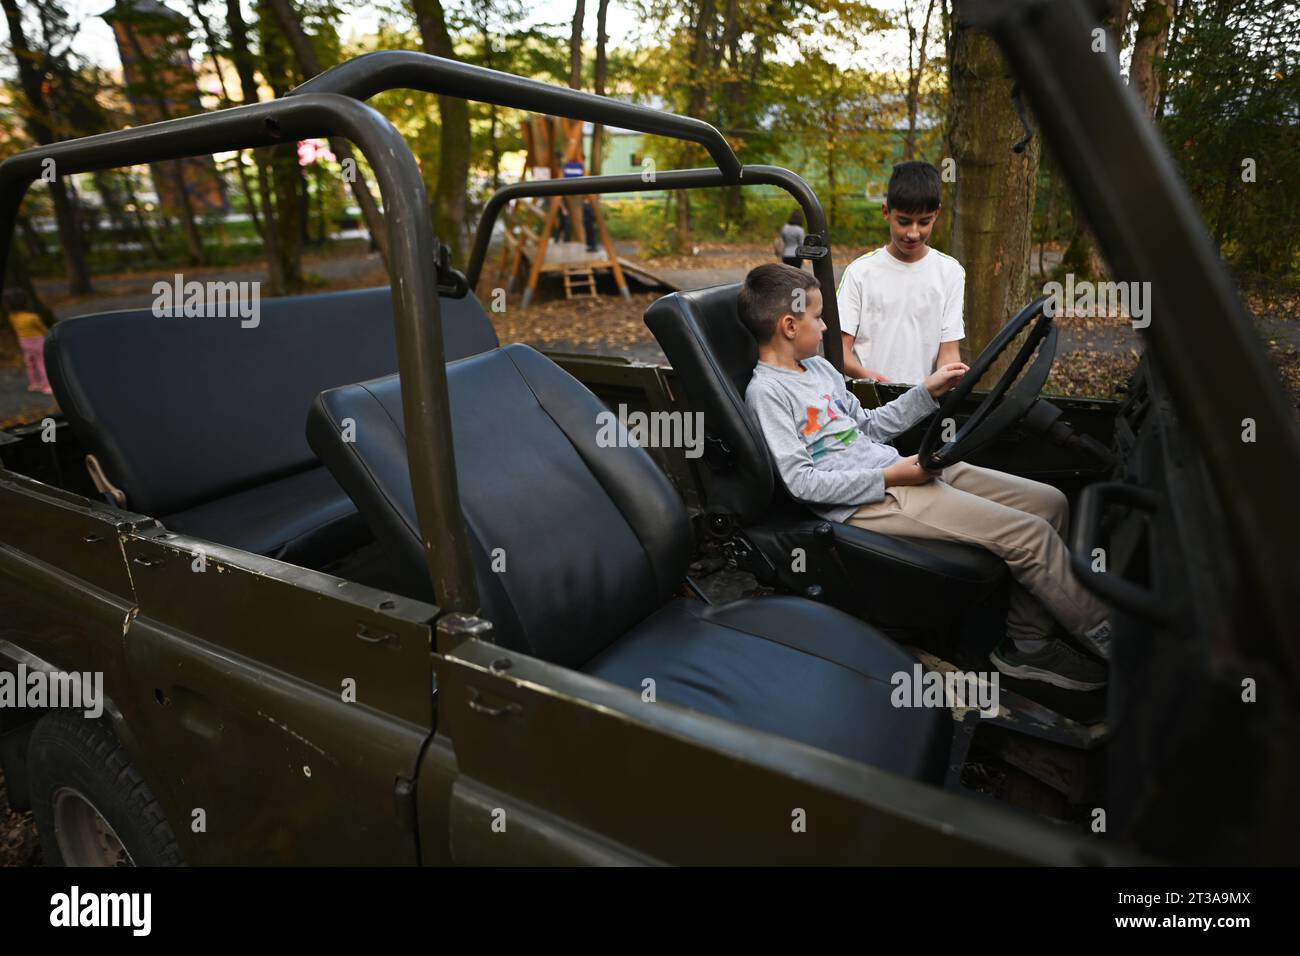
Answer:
[(573, 169)]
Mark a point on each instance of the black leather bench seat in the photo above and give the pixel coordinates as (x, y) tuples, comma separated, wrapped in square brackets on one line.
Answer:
[(296, 519), (787, 666), (199, 420)]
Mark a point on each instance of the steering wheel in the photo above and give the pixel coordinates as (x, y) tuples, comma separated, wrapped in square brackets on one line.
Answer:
[(1006, 404)]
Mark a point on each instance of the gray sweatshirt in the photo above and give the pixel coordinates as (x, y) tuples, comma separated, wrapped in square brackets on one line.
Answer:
[(828, 449)]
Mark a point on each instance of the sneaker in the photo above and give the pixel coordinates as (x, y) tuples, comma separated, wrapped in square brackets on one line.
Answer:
[(1057, 664), (1098, 640)]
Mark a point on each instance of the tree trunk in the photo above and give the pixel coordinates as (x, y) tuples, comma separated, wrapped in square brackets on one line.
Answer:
[(141, 224), (1117, 23), (1149, 52), (74, 253), (175, 168), (450, 194), (1082, 256), (602, 41), (994, 195), (915, 75), (35, 244), (214, 48), (119, 225), (575, 45), (310, 66), (1224, 214), (240, 53), (574, 203), (1180, 8), (707, 17), (288, 186), (249, 199), (735, 102)]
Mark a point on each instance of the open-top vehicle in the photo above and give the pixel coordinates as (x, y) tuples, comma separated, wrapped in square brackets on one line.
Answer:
[(364, 585)]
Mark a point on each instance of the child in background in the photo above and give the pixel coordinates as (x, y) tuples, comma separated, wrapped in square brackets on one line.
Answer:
[(31, 332), (589, 222), (790, 238)]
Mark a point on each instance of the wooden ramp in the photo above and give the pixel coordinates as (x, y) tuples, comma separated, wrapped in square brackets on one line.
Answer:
[(568, 257), (574, 255), (646, 276)]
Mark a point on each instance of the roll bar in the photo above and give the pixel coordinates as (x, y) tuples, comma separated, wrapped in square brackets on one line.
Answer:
[(823, 265), (372, 73), (411, 251)]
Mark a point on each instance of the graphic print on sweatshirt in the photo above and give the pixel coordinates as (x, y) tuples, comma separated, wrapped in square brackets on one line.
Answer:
[(828, 427)]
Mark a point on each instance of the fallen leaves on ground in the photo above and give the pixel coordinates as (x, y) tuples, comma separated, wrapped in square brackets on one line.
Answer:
[(605, 321), (1084, 373), (19, 845), (714, 255)]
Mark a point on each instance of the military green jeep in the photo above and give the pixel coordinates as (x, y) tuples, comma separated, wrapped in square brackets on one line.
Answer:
[(364, 585)]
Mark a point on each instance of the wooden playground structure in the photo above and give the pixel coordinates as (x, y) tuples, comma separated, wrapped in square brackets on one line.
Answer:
[(532, 245)]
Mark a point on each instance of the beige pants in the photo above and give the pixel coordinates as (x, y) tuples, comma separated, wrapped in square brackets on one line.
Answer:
[(1019, 520)]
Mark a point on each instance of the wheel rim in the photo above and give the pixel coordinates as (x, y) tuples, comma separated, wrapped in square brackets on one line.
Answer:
[(85, 838)]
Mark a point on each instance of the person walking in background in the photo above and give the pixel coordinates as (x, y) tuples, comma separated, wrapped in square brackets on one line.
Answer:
[(31, 332), (562, 225), (589, 222), (790, 239)]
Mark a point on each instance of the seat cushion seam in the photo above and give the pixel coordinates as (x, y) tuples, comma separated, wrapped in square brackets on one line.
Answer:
[(793, 647), (635, 533)]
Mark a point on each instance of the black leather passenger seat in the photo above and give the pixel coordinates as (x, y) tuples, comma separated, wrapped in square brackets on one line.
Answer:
[(578, 551), (901, 584), (199, 420)]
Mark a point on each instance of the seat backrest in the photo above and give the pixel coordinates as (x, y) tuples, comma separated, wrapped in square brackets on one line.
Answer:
[(573, 543), (714, 356), (181, 411)]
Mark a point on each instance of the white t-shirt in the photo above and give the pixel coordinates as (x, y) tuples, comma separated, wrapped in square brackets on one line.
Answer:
[(899, 312)]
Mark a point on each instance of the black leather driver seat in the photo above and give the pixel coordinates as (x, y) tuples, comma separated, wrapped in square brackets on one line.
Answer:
[(579, 549), (892, 582), (199, 420)]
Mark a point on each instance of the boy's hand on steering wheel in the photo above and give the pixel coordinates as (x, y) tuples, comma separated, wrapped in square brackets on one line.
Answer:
[(908, 471), (945, 377)]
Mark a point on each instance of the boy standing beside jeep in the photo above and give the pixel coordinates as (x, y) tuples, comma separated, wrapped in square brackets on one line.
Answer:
[(901, 305)]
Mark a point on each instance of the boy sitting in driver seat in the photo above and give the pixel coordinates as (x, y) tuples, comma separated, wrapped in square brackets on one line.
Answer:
[(831, 455)]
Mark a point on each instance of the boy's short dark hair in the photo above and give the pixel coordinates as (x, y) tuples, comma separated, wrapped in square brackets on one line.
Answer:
[(914, 187), (767, 294)]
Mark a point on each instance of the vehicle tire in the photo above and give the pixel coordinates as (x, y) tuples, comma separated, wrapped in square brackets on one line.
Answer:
[(90, 804)]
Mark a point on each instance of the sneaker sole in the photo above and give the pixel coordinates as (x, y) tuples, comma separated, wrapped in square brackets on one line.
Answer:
[(1027, 672)]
